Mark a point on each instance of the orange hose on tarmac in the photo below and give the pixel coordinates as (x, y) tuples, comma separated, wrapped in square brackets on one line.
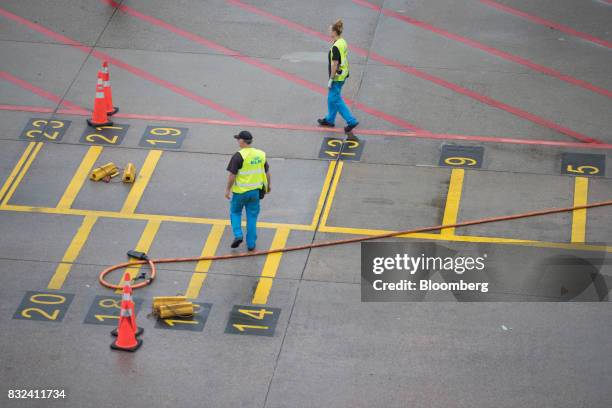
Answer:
[(152, 262)]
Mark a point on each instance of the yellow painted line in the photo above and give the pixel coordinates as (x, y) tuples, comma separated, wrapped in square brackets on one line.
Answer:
[(471, 238), (420, 235), (321, 201), (453, 199), (339, 230), (202, 267), (332, 194), (80, 176), (143, 245), (579, 217), (270, 267), (17, 168), (146, 217), (132, 200), (71, 254), (22, 172)]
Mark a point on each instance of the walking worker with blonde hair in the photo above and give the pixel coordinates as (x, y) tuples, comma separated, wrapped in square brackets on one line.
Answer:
[(338, 70)]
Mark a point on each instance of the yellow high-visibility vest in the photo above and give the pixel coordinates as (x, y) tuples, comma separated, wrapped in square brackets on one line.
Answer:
[(344, 64), (252, 175)]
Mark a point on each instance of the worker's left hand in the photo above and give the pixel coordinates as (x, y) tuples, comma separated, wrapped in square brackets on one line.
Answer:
[(228, 194), (329, 83)]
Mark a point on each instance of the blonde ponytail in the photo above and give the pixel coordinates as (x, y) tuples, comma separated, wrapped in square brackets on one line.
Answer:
[(338, 27)]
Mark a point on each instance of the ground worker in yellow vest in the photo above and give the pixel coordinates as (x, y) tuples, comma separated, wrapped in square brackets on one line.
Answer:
[(248, 181), (338, 70)]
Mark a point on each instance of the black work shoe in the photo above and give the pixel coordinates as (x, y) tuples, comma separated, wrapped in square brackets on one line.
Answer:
[(324, 122), (349, 129), (251, 249), (236, 242)]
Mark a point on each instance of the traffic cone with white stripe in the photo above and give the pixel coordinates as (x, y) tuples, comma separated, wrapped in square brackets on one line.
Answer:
[(108, 93), (126, 331), (99, 116), (127, 297)]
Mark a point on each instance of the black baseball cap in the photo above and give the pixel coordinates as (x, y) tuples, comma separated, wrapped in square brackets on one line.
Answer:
[(244, 135)]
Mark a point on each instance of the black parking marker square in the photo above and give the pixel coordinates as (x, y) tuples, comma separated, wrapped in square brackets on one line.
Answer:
[(105, 310), (461, 156), (104, 135), (254, 320), (45, 130), (193, 323), (158, 137), (44, 306), (583, 164), (349, 149)]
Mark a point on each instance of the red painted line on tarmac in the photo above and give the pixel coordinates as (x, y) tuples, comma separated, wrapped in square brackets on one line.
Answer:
[(488, 49), (73, 109), (372, 132), (547, 23), (170, 86), (316, 129), (24, 108), (280, 20), (266, 125), (130, 68), (68, 106), (38, 91), (507, 140), (431, 78), (77, 110), (259, 64)]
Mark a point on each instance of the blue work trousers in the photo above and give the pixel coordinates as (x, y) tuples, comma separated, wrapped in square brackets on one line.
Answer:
[(335, 105), (250, 202)]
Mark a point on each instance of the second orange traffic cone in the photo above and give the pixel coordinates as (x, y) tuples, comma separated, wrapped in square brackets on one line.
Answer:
[(108, 93), (99, 116), (127, 297), (126, 331), (126, 338)]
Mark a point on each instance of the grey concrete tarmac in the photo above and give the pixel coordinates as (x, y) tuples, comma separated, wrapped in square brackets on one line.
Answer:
[(327, 348)]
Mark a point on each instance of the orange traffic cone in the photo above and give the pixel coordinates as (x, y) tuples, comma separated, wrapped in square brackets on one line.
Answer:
[(99, 116), (127, 297), (126, 339), (108, 93), (126, 336)]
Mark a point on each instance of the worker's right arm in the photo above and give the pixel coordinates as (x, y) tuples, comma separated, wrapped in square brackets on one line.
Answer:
[(335, 62), (234, 165), (334, 69), (230, 182)]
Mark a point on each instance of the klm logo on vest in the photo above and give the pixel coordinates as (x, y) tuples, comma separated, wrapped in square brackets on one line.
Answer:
[(256, 160)]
